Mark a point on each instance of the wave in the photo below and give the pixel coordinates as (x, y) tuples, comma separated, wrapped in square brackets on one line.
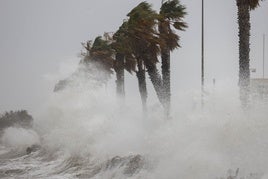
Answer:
[(85, 133)]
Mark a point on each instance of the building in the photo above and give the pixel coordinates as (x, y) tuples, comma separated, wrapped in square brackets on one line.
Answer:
[(259, 88)]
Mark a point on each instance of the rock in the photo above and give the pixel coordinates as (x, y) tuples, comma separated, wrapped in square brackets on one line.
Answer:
[(131, 164), (32, 148)]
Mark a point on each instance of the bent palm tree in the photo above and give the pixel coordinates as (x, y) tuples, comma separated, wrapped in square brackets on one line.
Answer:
[(120, 75), (121, 51), (244, 7), (144, 42), (100, 54), (124, 50), (171, 14), (97, 65)]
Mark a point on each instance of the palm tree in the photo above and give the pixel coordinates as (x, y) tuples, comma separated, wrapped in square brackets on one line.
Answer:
[(171, 14), (244, 7), (120, 75), (145, 42), (100, 54), (123, 49), (97, 64), (140, 73)]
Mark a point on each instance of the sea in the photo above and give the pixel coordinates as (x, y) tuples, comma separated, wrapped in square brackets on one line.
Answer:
[(88, 133)]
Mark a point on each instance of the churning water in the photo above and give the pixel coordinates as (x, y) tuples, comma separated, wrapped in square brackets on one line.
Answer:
[(84, 133)]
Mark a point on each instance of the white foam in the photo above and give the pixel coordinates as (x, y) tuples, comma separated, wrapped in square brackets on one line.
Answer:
[(19, 138)]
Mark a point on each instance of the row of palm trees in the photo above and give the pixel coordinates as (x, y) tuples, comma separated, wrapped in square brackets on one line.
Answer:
[(147, 36), (136, 46)]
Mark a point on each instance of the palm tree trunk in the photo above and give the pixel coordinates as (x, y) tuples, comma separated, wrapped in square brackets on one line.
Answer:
[(165, 55), (244, 48), (156, 81), (142, 85), (120, 77)]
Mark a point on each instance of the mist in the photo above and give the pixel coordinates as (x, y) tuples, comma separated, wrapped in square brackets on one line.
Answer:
[(84, 131), (197, 142), (36, 37)]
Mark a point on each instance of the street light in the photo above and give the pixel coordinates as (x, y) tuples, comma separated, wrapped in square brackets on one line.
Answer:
[(202, 54), (263, 56), (202, 46)]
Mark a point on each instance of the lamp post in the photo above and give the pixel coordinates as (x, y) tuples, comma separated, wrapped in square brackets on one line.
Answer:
[(202, 47), (263, 55), (202, 55)]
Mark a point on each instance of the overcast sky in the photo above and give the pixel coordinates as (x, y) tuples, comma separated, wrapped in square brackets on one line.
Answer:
[(37, 37)]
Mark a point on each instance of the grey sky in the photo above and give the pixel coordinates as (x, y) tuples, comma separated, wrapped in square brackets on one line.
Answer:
[(37, 35)]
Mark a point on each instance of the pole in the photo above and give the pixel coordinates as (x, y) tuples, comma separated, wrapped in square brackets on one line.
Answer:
[(263, 70), (202, 53)]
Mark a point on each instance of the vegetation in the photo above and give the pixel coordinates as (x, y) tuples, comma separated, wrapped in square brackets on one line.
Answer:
[(122, 58), (100, 54), (15, 118), (147, 36), (171, 14), (144, 47), (136, 46), (143, 38)]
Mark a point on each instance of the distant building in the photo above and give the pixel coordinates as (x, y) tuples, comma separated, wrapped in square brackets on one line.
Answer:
[(259, 88)]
